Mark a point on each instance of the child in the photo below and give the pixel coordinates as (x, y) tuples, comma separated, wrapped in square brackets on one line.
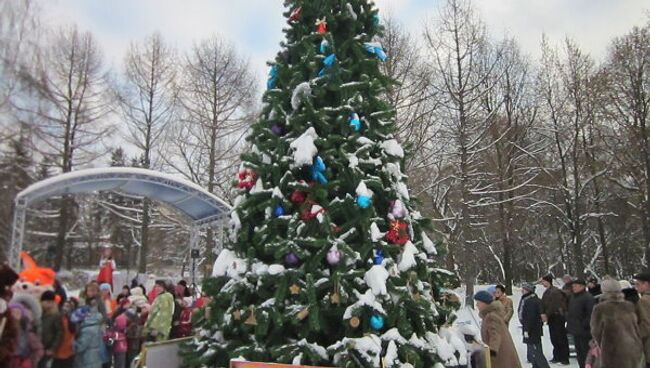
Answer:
[(29, 350)]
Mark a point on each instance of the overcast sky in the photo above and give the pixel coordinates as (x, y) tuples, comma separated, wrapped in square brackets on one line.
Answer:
[(255, 26)]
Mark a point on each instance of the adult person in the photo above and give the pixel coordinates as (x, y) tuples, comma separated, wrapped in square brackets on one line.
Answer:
[(51, 328), (494, 332), (530, 316), (554, 308), (593, 287), (106, 268), (615, 329), (629, 292), (581, 305), (159, 322), (642, 285), (500, 295)]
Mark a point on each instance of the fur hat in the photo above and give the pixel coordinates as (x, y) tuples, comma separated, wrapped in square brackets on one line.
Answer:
[(624, 284), (610, 286), (484, 296), (580, 281)]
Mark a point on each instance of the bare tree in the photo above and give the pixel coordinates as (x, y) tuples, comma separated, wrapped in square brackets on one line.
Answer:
[(148, 99), (510, 153), (628, 71), (458, 44), (217, 91), (68, 108)]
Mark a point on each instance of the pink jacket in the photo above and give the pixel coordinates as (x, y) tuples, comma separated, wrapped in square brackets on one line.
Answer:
[(120, 345)]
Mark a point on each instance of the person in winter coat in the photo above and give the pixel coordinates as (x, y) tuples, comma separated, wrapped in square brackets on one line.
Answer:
[(120, 345), (642, 285), (495, 334), (593, 287), (500, 295), (566, 288), (184, 327), (51, 327), (629, 292), (28, 350), (106, 296), (134, 328), (64, 354), (159, 322), (554, 308), (530, 316), (579, 317), (614, 327), (8, 326), (87, 347)]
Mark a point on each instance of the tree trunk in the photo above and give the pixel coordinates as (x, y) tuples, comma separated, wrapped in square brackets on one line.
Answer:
[(64, 213)]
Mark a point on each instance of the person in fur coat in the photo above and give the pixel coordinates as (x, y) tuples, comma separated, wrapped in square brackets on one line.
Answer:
[(494, 332), (615, 329)]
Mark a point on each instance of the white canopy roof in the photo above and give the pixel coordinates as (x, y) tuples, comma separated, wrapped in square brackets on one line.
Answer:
[(190, 199)]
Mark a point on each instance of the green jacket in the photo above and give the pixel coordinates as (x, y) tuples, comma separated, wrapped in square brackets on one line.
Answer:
[(51, 330), (160, 318)]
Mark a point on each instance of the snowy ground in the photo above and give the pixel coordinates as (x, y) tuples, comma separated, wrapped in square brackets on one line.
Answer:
[(467, 315)]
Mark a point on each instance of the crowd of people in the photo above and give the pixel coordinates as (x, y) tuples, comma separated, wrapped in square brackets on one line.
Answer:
[(97, 329), (608, 323)]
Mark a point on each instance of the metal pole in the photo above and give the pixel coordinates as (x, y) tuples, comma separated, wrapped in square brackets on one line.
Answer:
[(194, 237), (17, 234)]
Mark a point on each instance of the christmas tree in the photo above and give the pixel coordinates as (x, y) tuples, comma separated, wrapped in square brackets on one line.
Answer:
[(328, 262)]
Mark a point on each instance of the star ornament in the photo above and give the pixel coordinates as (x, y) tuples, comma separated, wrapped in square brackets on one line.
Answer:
[(294, 289)]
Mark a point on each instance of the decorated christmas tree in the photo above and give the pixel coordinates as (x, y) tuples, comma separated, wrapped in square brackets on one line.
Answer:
[(328, 262)]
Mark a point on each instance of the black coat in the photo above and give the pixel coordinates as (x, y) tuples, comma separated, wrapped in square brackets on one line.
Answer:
[(579, 316), (530, 310)]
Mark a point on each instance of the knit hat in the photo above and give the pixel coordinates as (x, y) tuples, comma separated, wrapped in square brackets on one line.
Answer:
[(492, 289), (48, 295), (105, 286), (610, 286), (548, 278), (484, 296), (528, 286), (137, 291), (643, 276)]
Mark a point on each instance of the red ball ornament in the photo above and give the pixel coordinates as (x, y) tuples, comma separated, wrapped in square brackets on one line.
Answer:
[(321, 26), (398, 232), (298, 197), (247, 179), (295, 14)]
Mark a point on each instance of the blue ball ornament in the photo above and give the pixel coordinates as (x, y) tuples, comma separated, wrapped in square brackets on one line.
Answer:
[(278, 211), (324, 45), (364, 201), (355, 122), (378, 259), (329, 61), (377, 322), (273, 77)]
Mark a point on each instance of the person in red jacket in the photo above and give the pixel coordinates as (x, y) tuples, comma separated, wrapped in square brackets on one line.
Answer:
[(106, 268)]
